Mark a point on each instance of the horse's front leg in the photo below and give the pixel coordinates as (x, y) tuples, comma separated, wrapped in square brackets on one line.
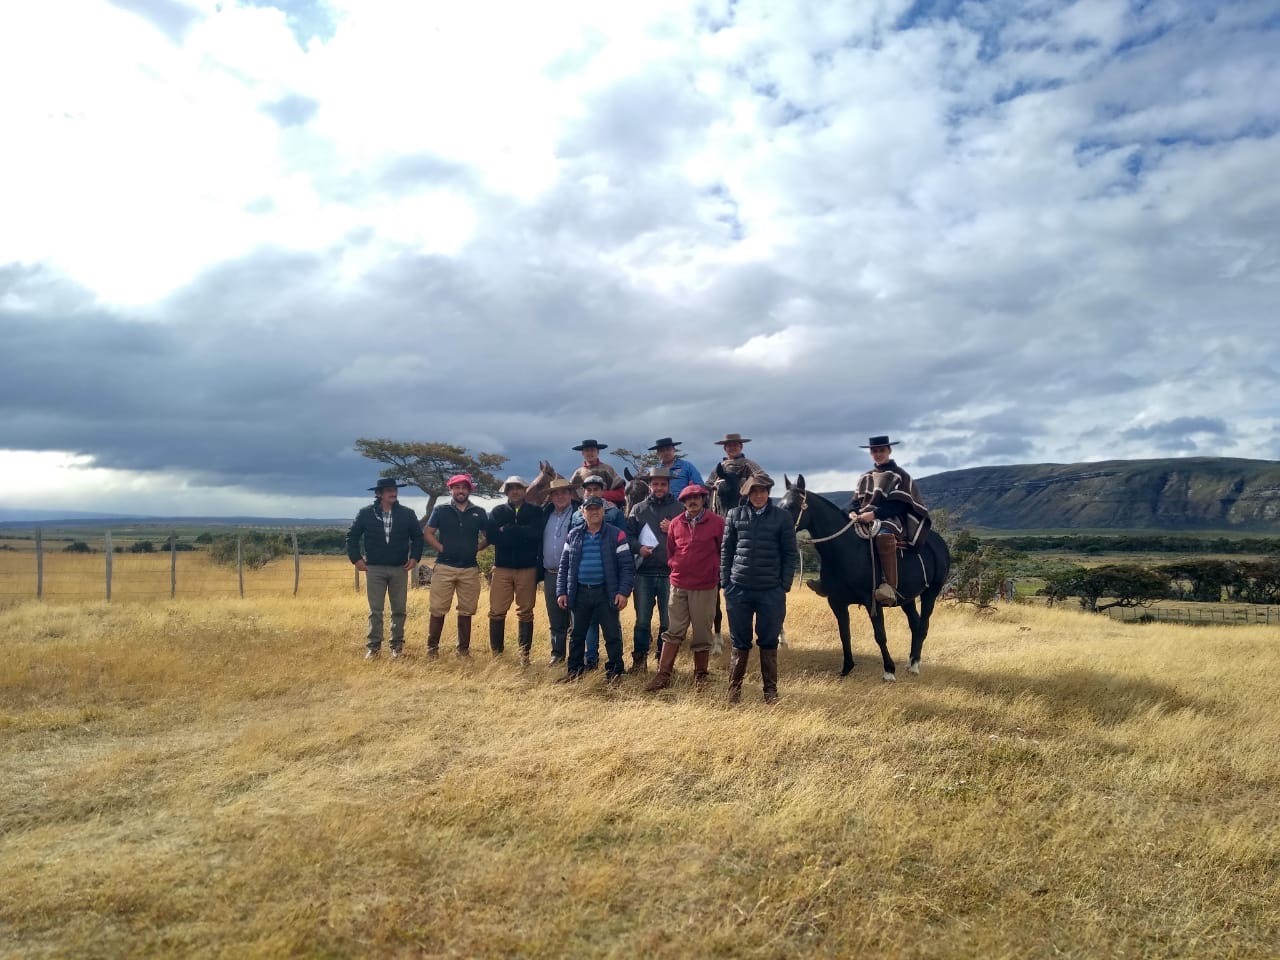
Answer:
[(917, 633), (841, 613), (876, 613)]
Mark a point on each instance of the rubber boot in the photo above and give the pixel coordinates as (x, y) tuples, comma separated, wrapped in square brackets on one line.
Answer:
[(666, 663), (524, 633), (738, 660), (497, 635), (434, 629), (464, 636), (887, 550), (769, 674), (701, 669)]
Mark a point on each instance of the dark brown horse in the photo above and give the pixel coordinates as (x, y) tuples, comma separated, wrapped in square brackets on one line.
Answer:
[(848, 574)]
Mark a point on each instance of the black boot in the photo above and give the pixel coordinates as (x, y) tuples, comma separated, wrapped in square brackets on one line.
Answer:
[(497, 635), (738, 660), (524, 632), (434, 629), (464, 636)]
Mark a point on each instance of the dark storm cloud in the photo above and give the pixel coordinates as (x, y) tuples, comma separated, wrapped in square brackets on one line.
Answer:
[(1178, 435)]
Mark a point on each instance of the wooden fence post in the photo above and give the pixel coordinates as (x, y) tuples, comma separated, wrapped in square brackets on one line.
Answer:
[(240, 563), (297, 565), (39, 564), (106, 547), (173, 565)]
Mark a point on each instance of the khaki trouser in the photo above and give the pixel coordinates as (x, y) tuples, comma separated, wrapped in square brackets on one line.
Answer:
[(509, 583), (380, 583), (446, 581), (691, 608)]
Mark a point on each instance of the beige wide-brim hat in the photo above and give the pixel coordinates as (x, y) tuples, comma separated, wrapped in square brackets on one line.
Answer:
[(559, 483), (756, 480), (513, 481), (733, 438)]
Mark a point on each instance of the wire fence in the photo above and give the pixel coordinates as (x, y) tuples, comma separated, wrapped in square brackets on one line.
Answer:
[(1228, 613), (101, 567)]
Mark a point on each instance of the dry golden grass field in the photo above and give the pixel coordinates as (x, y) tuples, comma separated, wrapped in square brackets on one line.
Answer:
[(228, 777)]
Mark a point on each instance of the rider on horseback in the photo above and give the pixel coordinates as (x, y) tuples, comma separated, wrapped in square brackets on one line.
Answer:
[(888, 500)]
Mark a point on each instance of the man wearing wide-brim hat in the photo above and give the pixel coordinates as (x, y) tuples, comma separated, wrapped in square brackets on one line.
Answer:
[(683, 472), (592, 464), (515, 530), (557, 521), (385, 543), (733, 462), (455, 530), (887, 500), (649, 521), (757, 565)]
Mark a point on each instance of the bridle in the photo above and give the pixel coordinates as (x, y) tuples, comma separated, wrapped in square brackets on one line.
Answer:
[(804, 505)]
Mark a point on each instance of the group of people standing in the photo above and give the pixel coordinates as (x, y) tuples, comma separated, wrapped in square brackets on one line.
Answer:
[(673, 552)]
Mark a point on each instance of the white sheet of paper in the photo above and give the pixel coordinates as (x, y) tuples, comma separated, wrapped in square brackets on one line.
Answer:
[(647, 537)]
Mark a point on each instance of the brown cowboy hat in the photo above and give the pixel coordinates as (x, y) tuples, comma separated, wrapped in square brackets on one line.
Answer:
[(733, 438), (560, 483), (656, 473), (756, 480)]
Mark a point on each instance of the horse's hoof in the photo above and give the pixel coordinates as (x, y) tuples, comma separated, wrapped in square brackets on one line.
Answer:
[(914, 668), (846, 671), (889, 677)]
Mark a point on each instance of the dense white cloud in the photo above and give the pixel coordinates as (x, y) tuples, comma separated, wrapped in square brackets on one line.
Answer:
[(240, 234)]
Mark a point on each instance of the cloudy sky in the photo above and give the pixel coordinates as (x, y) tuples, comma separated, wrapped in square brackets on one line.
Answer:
[(237, 235)]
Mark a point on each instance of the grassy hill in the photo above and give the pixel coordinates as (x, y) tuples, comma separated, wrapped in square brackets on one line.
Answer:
[(1192, 493)]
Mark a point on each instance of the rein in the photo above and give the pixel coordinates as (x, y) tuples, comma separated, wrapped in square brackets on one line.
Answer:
[(804, 505)]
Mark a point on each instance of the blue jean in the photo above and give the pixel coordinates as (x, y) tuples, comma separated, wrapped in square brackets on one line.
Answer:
[(649, 590), (593, 645), (768, 608)]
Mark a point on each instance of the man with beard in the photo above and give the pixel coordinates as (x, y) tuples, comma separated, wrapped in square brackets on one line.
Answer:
[(515, 530), (455, 530), (649, 521), (392, 540)]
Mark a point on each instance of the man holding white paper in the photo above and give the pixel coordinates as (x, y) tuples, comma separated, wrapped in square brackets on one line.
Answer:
[(647, 526)]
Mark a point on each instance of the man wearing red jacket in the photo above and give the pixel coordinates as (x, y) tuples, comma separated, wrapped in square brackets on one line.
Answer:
[(693, 554)]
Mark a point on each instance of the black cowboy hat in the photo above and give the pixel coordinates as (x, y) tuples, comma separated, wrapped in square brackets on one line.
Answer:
[(665, 442), (592, 443), (385, 483), (877, 442)]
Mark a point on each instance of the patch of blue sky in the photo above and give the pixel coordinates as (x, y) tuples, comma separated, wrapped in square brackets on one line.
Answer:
[(305, 18)]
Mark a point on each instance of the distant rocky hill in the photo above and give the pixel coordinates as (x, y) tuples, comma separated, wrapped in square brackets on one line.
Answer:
[(1192, 493)]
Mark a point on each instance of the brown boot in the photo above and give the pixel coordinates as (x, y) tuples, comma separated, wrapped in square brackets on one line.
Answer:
[(666, 662), (434, 629), (497, 635), (524, 633), (701, 669), (464, 636), (887, 550), (769, 674), (738, 660)]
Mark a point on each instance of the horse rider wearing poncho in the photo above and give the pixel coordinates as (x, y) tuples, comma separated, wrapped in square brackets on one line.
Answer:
[(888, 501)]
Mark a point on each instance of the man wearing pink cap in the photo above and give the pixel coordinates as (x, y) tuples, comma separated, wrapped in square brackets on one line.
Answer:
[(455, 530), (694, 539)]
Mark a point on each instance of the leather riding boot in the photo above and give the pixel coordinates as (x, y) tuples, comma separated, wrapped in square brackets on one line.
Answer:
[(666, 663), (524, 633), (887, 550), (701, 669), (464, 636), (434, 629), (738, 660), (497, 635), (769, 674)]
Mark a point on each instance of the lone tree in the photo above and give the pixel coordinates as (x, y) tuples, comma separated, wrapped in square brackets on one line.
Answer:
[(428, 466), (639, 460)]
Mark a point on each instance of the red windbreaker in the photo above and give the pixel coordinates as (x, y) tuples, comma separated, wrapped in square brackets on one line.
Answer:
[(693, 551)]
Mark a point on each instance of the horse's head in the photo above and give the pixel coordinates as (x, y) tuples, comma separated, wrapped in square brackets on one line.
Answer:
[(728, 486), (546, 472), (636, 488), (796, 502)]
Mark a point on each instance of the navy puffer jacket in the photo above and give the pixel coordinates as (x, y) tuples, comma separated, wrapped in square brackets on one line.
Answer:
[(759, 551)]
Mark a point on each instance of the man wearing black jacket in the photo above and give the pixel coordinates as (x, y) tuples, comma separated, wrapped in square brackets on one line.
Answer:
[(515, 530), (758, 559), (392, 540)]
